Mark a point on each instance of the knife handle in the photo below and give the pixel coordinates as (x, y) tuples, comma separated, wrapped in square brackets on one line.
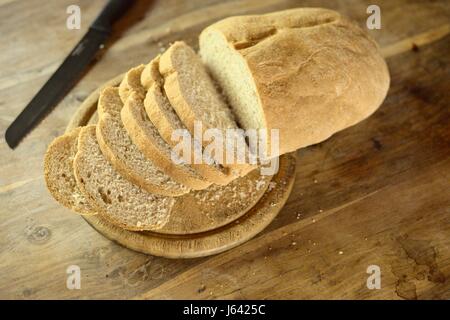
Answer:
[(113, 10)]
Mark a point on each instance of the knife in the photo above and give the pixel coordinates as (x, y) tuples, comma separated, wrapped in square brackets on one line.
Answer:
[(66, 76)]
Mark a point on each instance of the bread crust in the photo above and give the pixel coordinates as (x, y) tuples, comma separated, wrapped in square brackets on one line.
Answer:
[(311, 64)]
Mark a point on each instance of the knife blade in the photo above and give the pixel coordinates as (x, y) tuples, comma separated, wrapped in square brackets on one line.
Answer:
[(68, 73)]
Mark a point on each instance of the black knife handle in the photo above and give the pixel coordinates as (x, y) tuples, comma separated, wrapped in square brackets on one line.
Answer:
[(113, 10)]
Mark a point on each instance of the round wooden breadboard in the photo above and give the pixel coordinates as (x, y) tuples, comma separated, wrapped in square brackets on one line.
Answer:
[(195, 244)]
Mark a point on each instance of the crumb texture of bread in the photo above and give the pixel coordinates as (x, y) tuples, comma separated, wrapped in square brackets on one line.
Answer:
[(147, 138), (59, 176), (150, 73), (307, 72), (191, 91), (157, 106), (216, 206), (195, 98), (123, 154), (132, 82), (118, 200), (167, 122)]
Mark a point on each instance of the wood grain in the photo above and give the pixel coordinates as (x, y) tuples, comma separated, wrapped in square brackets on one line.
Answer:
[(376, 193)]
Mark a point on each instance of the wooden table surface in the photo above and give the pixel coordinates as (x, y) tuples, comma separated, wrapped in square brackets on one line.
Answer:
[(374, 194)]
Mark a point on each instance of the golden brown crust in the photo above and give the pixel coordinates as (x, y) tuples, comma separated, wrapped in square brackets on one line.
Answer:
[(311, 64)]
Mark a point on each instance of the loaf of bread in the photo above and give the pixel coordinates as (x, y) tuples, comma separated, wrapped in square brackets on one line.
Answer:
[(302, 73), (306, 72)]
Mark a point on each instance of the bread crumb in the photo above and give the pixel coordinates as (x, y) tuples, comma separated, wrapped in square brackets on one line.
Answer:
[(201, 289), (271, 185), (341, 252), (260, 184)]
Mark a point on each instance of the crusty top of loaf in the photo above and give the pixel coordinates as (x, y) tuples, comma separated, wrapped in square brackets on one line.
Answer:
[(315, 72), (247, 31)]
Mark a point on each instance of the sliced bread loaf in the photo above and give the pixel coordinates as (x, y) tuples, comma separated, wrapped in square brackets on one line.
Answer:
[(59, 176), (123, 154), (194, 97), (162, 115), (147, 138), (115, 198)]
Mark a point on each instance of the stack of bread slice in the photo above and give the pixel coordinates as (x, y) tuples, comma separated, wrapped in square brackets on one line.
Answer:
[(302, 73), (122, 167)]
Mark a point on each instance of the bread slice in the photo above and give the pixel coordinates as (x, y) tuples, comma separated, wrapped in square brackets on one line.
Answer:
[(162, 115), (203, 210), (123, 154), (59, 176), (157, 106), (115, 198), (194, 96), (146, 137), (306, 72), (132, 82)]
